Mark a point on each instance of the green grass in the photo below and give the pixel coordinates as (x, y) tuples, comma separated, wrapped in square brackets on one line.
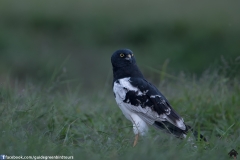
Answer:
[(38, 120)]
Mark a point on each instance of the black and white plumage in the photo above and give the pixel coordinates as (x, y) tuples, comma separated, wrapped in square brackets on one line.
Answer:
[(140, 101)]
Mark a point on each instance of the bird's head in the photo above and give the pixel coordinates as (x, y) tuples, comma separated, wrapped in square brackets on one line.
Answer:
[(124, 64), (123, 58)]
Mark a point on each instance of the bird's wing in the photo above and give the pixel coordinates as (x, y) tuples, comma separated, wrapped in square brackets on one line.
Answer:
[(145, 99)]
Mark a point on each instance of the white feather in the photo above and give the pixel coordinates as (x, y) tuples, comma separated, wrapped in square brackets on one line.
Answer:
[(138, 115)]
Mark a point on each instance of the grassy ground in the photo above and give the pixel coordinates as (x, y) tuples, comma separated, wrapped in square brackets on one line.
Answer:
[(59, 120)]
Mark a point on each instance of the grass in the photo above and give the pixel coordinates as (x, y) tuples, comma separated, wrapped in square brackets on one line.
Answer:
[(36, 120)]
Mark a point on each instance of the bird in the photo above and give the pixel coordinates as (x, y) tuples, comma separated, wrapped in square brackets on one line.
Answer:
[(141, 102)]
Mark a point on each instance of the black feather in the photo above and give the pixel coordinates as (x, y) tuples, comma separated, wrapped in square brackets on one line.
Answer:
[(171, 129), (159, 104)]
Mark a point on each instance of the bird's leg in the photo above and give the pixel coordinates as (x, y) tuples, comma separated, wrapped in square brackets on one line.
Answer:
[(136, 140)]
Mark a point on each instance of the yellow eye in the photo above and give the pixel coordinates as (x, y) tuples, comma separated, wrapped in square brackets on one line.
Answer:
[(121, 55)]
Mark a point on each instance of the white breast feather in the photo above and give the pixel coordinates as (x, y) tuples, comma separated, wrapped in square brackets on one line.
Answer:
[(120, 89)]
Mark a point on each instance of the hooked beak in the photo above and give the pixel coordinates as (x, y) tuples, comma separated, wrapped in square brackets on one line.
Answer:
[(129, 58)]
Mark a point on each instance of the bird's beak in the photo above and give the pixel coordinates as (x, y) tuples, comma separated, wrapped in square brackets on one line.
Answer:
[(129, 57)]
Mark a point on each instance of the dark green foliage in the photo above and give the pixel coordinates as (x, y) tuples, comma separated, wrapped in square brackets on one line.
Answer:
[(35, 38), (65, 121)]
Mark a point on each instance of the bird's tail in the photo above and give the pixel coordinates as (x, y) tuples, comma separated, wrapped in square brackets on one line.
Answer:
[(171, 129), (197, 135)]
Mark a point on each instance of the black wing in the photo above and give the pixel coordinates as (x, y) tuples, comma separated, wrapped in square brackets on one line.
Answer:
[(148, 96)]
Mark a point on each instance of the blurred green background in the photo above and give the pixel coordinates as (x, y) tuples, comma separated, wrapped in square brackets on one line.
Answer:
[(73, 40), (54, 52)]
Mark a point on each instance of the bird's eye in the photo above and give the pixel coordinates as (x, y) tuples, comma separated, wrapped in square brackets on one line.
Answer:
[(132, 55), (121, 55)]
